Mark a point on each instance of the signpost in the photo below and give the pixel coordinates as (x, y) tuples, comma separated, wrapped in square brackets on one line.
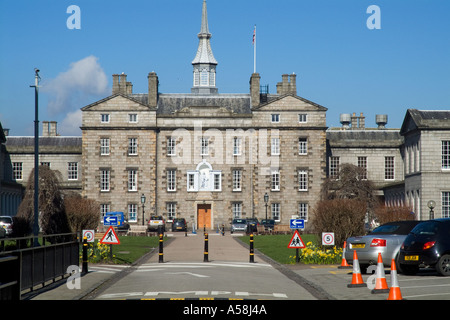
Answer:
[(89, 235), (296, 243), (328, 238), (297, 224), (110, 221), (110, 238)]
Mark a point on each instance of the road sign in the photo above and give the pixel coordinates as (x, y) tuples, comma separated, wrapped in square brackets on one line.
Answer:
[(110, 237), (296, 241), (297, 224), (111, 221), (89, 234), (328, 238)]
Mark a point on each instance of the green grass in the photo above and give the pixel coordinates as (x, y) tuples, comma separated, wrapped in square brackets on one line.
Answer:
[(131, 249), (276, 246)]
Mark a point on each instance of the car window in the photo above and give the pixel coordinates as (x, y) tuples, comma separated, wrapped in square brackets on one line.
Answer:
[(5, 219), (385, 229), (426, 228), (239, 221), (395, 228)]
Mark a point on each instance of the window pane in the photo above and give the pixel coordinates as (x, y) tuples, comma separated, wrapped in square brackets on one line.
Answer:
[(445, 154), (389, 168), (72, 171)]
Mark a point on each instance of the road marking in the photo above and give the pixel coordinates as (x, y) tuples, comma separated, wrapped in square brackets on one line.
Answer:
[(189, 273), (190, 293), (203, 265), (425, 295), (104, 269)]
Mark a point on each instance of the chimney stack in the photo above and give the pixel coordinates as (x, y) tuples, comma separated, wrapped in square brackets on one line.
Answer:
[(49, 129), (288, 85), (153, 83), (120, 84), (255, 89)]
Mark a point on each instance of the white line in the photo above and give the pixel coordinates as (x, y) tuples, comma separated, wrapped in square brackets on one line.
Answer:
[(189, 273), (427, 295), (106, 269), (431, 286), (205, 265)]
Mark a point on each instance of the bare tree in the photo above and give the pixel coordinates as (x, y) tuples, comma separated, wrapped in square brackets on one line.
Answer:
[(82, 213), (344, 217), (52, 214), (386, 214)]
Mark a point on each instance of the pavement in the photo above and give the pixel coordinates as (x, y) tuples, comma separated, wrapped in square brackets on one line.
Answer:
[(179, 247)]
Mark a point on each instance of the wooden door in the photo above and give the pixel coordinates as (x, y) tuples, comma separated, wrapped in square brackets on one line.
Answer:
[(204, 216)]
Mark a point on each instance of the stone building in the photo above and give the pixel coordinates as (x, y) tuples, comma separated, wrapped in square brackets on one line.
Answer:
[(204, 156), (11, 192), (209, 157), (427, 162), (377, 150), (60, 153)]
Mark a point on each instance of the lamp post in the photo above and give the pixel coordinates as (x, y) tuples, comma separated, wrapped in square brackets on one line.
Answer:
[(431, 204), (143, 208), (266, 200), (36, 155)]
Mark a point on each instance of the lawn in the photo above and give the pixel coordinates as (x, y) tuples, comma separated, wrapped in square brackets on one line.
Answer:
[(276, 246), (129, 250)]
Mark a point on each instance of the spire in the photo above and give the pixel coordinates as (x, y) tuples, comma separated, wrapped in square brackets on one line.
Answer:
[(204, 29), (204, 62)]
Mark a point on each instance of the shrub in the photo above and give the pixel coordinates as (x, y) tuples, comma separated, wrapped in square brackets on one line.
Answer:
[(344, 217), (82, 213)]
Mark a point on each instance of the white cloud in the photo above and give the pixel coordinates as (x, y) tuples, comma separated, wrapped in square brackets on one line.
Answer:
[(72, 88), (71, 124)]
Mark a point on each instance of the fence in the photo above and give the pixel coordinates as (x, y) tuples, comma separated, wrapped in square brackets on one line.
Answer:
[(23, 268)]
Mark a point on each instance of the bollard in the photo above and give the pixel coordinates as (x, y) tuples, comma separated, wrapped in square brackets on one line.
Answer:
[(205, 254), (252, 254), (161, 248), (85, 256)]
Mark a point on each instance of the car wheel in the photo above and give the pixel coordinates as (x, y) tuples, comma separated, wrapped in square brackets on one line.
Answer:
[(443, 265), (408, 269)]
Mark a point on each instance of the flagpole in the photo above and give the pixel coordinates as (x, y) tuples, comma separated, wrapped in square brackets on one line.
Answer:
[(254, 50)]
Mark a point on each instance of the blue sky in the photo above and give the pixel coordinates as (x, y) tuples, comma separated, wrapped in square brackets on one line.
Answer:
[(340, 63)]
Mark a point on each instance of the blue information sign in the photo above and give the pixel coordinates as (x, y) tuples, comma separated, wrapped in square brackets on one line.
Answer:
[(111, 221), (297, 224)]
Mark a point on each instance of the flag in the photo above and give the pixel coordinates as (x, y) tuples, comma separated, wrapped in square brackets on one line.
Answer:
[(254, 36)]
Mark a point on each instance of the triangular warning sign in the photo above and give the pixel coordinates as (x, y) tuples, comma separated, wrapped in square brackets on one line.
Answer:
[(296, 242), (110, 237)]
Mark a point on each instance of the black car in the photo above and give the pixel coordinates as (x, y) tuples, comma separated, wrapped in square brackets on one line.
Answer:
[(252, 225), (428, 244), (268, 224), (179, 224)]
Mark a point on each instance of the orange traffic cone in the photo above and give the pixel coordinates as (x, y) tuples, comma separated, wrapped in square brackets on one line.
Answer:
[(380, 284), (357, 280), (394, 292), (344, 264)]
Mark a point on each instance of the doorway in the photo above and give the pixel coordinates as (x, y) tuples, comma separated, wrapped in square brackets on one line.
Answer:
[(204, 216)]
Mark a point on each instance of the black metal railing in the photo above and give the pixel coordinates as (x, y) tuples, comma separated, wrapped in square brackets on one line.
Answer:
[(41, 260)]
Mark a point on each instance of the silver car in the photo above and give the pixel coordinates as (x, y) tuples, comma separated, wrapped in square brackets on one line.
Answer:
[(386, 239), (6, 223), (239, 225)]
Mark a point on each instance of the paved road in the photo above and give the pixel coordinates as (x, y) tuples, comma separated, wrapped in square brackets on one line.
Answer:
[(228, 273), (426, 285)]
